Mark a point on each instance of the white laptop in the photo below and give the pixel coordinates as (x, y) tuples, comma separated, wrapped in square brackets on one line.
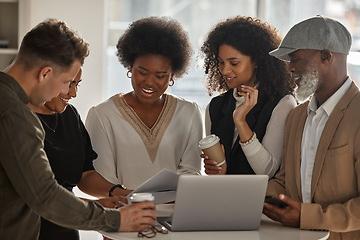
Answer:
[(217, 202)]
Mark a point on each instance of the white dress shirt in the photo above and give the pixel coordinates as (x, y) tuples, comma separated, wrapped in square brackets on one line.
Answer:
[(314, 125)]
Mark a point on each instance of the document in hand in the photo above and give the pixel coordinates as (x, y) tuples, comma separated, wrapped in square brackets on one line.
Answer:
[(162, 185)]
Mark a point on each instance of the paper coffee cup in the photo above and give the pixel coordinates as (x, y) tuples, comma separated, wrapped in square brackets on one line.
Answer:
[(210, 145), (141, 197)]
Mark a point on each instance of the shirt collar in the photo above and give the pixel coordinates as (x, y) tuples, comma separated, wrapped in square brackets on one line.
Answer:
[(331, 102)]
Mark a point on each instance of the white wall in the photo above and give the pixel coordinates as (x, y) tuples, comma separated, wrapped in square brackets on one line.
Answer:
[(88, 18)]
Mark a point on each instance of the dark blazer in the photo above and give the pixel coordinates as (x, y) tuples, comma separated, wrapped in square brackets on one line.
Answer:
[(222, 124)]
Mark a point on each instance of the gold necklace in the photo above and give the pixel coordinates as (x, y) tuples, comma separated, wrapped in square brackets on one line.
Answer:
[(56, 123)]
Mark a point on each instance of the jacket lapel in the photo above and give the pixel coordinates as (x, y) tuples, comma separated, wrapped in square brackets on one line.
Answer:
[(297, 146), (328, 134)]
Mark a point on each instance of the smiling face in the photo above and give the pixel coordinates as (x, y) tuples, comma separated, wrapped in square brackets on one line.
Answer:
[(53, 82), (304, 73), (151, 74), (59, 103), (237, 68)]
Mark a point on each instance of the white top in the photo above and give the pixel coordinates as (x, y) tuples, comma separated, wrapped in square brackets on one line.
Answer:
[(314, 125), (129, 158), (265, 157)]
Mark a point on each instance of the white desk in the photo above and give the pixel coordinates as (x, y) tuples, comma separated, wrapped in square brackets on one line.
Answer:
[(269, 230)]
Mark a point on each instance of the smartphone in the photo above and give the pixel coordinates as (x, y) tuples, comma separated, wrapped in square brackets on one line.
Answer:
[(275, 201)]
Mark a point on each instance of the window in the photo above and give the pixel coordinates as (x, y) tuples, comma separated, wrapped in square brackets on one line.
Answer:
[(190, 14), (198, 17)]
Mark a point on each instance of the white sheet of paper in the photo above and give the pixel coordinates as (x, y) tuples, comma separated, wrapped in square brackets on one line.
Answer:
[(162, 185)]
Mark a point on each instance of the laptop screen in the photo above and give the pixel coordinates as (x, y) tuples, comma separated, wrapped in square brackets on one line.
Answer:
[(218, 202)]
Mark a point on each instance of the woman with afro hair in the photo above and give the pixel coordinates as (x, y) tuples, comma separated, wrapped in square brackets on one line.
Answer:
[(256, 96), (139, 133)]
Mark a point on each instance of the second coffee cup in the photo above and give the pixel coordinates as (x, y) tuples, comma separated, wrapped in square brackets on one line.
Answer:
[(141, 197), (210, 145)]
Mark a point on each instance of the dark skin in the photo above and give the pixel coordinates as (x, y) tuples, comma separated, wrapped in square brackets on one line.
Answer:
[(148, 114), (151, 74), (332, 74), (331, 67), (289, 216)]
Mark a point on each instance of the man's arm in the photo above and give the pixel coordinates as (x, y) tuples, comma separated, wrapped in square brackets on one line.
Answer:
[(28, 170)]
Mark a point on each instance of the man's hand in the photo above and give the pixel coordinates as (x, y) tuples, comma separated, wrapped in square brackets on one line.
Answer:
[(289, 216), (137, 216)]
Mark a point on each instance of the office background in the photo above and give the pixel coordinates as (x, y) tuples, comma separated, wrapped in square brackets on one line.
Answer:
[(101, 22)]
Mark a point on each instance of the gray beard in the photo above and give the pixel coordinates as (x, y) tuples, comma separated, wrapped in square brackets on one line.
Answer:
[(307, 86)]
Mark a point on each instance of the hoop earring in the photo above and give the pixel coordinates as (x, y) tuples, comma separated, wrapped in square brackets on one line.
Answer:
[(127, 74), (171, 82)]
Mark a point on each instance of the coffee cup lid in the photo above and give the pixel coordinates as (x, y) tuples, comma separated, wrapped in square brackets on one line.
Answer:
[(139, 197), (208, 141)]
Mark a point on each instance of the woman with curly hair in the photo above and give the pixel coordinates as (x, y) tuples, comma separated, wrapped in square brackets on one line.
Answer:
[(139, 133), (249, 118)]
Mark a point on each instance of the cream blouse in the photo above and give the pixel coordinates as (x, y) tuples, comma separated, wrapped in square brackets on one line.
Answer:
[(130, 153)]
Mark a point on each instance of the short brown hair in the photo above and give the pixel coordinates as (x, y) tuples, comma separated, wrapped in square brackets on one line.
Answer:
[(52, 42)]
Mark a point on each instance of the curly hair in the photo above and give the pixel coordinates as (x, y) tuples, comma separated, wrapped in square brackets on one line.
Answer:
[(254, 38), (156, 35)]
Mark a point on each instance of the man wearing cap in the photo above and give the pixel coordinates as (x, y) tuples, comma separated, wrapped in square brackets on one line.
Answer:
[(319, 175)]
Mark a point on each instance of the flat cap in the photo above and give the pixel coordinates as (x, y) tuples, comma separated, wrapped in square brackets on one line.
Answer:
[(318, 33)]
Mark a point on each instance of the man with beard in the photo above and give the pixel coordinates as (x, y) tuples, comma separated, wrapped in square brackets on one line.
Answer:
[(319, 174)]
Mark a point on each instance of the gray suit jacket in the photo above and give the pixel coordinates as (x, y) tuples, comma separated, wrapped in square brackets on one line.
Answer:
[(335, 181)]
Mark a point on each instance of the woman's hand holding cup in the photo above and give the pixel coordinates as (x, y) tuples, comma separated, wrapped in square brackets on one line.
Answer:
[(214, 155)]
